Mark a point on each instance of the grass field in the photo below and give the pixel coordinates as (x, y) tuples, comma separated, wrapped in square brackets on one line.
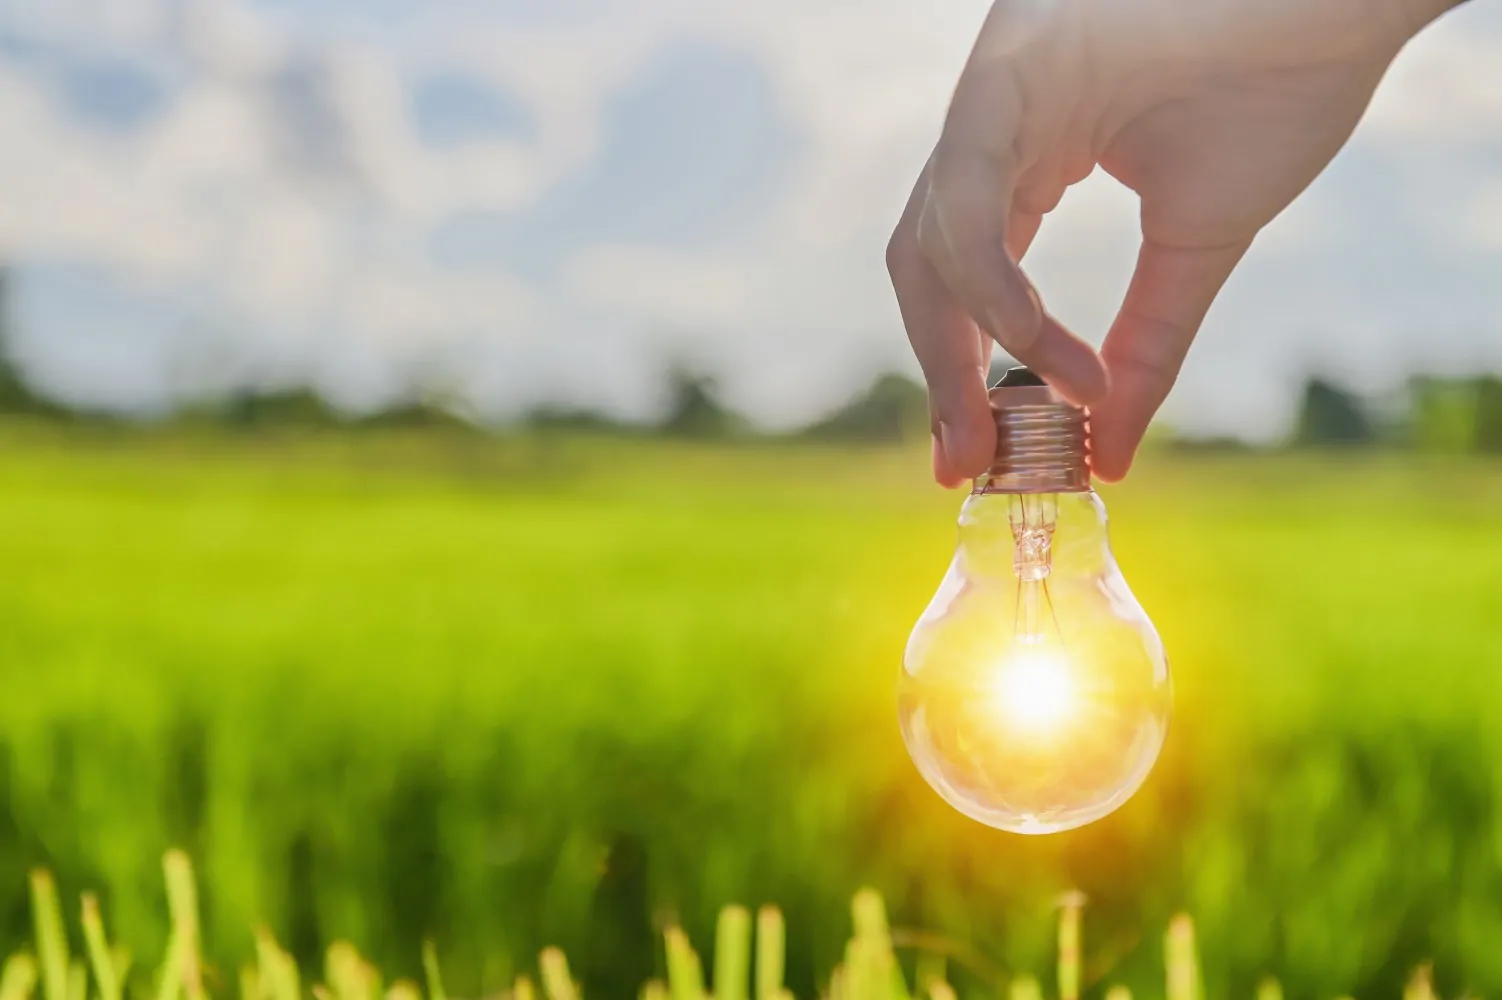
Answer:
[(748, 961), (555, 690)]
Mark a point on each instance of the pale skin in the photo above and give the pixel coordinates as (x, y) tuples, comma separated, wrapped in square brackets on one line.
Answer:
[(1217, 113)]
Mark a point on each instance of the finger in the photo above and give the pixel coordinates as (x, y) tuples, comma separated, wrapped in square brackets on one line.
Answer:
[(969, 252), (965, 231), (949, 349), (1022, 227), (1165, 304), (946, 473)]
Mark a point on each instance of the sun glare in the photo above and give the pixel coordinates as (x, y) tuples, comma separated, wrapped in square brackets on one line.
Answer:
[(1035, 691)]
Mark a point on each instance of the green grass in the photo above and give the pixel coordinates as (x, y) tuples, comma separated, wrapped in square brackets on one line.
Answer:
[(869, 969), (513, 693)]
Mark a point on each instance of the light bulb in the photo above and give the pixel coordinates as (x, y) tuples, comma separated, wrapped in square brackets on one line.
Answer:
[(1035, 693)]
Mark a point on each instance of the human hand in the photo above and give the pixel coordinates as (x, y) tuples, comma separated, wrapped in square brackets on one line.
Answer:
[(1218, 113)]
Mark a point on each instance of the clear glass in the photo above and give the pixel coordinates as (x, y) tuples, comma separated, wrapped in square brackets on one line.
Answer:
[(1035, 693)]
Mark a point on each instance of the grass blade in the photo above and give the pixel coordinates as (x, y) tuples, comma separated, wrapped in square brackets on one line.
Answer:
[(931, 967), (870, 916), (105, 975), (1269, 989), (351, 977), (121, 957), (771, 952), (250, 983), (685, 973), (51, 940), (170, 979), (1118, 992), (1025, 988), (346, 973), (1181, 960), (1070, 919), (182, 904), (1420, 985), (523, 990), (871, 967), (19, 977), (861, 975), (431, 971), (277, 972), (557, 983), (732, 954)]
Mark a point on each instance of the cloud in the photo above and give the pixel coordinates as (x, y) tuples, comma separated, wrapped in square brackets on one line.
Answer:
[(450, 108), (546, 201)]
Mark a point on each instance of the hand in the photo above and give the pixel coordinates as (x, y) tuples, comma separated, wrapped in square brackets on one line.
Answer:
[(1218, 113)]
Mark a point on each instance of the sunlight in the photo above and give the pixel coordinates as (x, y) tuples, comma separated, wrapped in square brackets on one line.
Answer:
[(1035, 690)]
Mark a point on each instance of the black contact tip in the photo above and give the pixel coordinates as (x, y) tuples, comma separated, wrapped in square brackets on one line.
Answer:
[(1019, 376)]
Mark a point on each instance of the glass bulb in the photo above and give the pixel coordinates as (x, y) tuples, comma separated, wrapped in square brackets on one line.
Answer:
[(1035, 692)]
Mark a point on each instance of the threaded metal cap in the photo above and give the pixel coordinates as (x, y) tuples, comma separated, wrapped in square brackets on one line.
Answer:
[(1042, 440)]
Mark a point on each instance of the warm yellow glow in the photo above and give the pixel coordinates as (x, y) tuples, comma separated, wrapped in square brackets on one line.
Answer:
[(1035, 690)]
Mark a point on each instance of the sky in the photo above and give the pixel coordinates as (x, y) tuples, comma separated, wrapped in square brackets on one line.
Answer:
[(519, 203)]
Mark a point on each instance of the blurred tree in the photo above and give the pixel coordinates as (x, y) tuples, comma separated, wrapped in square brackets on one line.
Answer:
[(695, 410), (16, 395), (257, 408), (894, 408), (1444, 414), (1217, 444), (564, 418), (1331, 416), (1489, 414), (418, 413)]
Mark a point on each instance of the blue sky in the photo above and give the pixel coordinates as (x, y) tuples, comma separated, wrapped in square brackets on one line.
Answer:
[(548, 201)]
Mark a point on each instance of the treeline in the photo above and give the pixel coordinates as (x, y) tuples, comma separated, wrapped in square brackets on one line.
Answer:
[(892, 409), (1462, 415), (1432, 413)]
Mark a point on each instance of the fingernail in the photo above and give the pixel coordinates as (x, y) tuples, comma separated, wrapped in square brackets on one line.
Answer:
[(949, 443), (1072, 366), (957, 450), (940, 463)]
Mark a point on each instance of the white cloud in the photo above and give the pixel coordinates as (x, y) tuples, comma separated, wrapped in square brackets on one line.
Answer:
[(1444, 87), (276, 217), (1483, 223)]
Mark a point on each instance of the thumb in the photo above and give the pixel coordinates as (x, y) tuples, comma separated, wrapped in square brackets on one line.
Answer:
[(1171, 290)]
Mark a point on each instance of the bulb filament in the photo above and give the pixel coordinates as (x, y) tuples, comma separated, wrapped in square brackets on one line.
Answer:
[(1033, 518)]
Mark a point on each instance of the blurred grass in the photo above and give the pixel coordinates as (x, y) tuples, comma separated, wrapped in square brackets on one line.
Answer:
[(870, 968), (565, 690)]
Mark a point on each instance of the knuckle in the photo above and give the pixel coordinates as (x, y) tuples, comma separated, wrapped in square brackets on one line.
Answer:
[(1025, 325), (1038, 199), (955, 233), (953, 209), (930, 237), (1157, 354), (901, 251)]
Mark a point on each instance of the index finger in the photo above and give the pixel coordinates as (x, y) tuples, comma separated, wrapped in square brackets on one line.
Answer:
[(1170, 293), (964, 223), (951, 351)]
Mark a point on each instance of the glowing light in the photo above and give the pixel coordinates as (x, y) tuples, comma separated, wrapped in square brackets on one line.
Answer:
[(1035, 691)]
